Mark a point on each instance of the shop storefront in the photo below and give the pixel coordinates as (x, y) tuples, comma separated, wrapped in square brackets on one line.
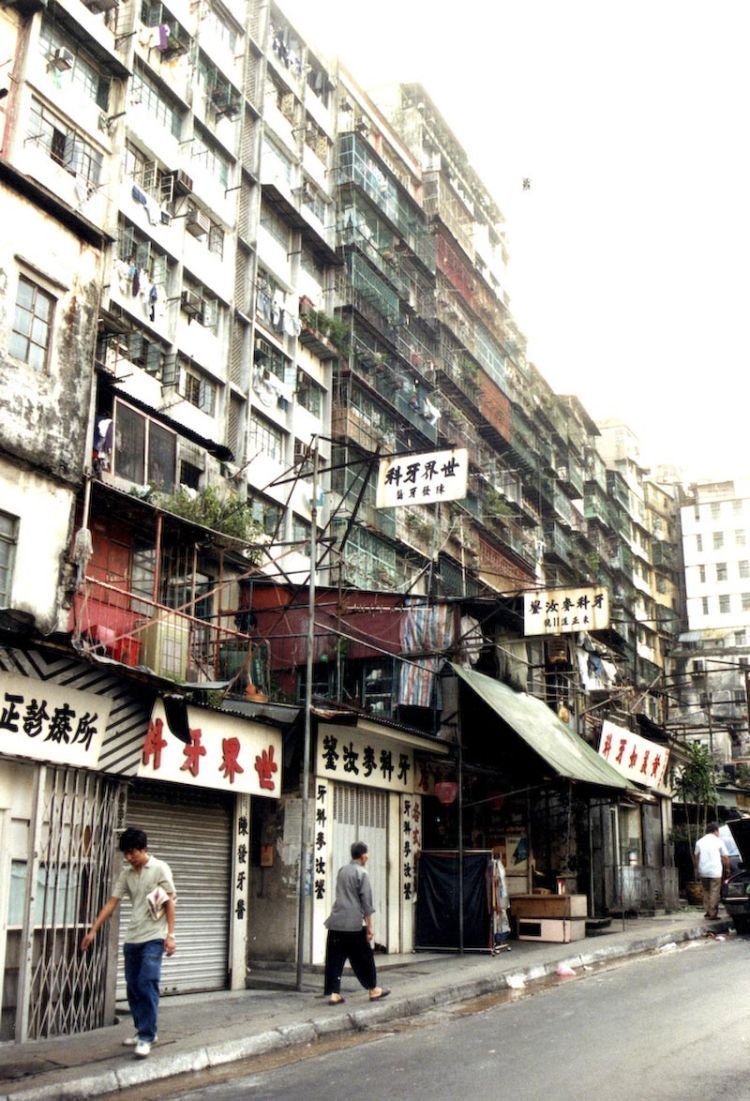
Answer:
[(366, 788), (83, 753)]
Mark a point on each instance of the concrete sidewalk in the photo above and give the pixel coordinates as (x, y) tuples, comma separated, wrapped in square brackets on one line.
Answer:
[(205, 1030)]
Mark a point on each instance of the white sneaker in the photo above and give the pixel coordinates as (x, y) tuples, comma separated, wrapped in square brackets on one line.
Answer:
[(132, 1041), (142, 1049)]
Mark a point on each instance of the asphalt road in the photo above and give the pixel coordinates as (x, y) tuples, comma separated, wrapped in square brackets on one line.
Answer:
[(670, 1027)]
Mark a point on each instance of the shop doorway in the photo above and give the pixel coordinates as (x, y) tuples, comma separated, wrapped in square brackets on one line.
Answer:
[(192, 831), (361, 814)]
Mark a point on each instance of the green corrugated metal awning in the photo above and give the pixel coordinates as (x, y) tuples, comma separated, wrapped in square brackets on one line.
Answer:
[(564, 750)]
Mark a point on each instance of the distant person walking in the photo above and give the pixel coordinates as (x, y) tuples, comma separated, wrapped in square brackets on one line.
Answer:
[(350, 930), (711, 866), (150, 932)]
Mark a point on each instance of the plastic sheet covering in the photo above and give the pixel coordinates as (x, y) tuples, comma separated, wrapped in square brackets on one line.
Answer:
[(438, 896)]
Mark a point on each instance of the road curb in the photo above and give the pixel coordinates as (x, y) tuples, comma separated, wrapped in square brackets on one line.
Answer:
[(168, 1065)]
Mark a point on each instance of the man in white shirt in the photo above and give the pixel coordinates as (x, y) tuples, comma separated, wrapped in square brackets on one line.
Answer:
[(711, 866)]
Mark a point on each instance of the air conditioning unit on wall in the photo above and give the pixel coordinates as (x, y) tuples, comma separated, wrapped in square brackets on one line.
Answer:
[(197, 223), (61, 59), (165, 646)]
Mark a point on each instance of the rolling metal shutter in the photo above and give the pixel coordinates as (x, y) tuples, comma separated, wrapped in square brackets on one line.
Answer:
[(361, 814), (193, 833)]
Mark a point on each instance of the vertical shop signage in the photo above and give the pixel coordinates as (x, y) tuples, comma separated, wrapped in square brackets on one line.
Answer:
[(411, 844)]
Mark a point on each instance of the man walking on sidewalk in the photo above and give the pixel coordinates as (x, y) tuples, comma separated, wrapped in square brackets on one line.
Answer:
[(150, 932), (350, 929), (711, 865)]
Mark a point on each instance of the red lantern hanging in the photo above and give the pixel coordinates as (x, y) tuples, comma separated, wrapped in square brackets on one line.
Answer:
[(446, 791)]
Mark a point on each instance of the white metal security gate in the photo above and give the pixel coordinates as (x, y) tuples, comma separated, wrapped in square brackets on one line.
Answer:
[(193, 833), (361, 814)]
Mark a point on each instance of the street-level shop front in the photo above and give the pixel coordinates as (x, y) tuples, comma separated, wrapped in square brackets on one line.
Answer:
[(366, 788), (85, 751)]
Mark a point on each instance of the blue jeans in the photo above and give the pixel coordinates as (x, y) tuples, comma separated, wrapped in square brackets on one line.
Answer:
[(142, 975)]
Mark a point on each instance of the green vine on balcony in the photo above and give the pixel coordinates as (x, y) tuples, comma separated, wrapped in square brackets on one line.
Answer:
[(330, 327), (228, 513)]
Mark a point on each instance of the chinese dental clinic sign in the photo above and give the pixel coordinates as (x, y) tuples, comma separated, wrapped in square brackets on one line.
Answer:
[(422, 479), (556, 611)]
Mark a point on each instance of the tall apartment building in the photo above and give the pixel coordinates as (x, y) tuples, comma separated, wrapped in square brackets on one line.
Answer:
[(231, 281), (711, 662)]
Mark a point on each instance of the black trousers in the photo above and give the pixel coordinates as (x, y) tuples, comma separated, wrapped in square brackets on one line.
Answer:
[(354, 947)]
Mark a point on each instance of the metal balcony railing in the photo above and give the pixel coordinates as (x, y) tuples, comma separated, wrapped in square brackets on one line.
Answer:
[(134, 630)]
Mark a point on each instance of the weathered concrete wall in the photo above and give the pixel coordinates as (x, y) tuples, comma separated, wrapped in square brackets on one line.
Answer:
[(44, 413), (273, 902), (43, 510)]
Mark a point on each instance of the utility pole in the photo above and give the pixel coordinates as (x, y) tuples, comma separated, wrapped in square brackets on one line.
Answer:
[(303, 855)]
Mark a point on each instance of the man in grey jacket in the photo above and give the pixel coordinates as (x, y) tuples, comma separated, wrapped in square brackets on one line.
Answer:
[(350, 930)]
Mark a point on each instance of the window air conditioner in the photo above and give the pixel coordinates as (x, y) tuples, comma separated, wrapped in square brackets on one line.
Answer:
[(698, 667), (165, 646), (197, 223), (183, 184), (61, 59), (192, 303)]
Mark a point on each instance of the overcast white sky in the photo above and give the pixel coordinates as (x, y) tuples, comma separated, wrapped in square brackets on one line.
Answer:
[(630, 253)]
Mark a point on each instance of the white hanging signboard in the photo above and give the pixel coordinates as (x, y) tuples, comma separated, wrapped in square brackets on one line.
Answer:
[(635, 757), (422, 479), (556, 611)]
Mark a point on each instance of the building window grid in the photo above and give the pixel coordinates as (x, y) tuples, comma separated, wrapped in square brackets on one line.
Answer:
[(216, 164), (718, 540), (266, 439), (32, 324), (146, 93), (8, 542), (64, 145), (84, 74)]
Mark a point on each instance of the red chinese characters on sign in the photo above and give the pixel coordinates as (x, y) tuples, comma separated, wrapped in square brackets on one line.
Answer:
[(154, 743), (230, 764), (636, 757), (193, 753), (265, 766)]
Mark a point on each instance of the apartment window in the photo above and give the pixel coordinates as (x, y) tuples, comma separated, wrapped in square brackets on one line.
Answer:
[(206, 308), (724, 603), (196, 388), (739, 638), (157, 103), (721, 571), (8, 541), (211, 158), (226, 34), (739, 537), (275, 226), (309, 394), (265, 439), (190, 475), (744, 567), (83, 73), (715, 510), (699, 542), (32, 324), (135, 247), (746, 602), (718, 540), (267, 514), (301, 532), (702, 573), (704, 603), (146, 174), (64, 145), (145, 451)]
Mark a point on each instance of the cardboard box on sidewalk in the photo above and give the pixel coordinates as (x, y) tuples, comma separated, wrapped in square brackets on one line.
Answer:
[(558, 930)]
